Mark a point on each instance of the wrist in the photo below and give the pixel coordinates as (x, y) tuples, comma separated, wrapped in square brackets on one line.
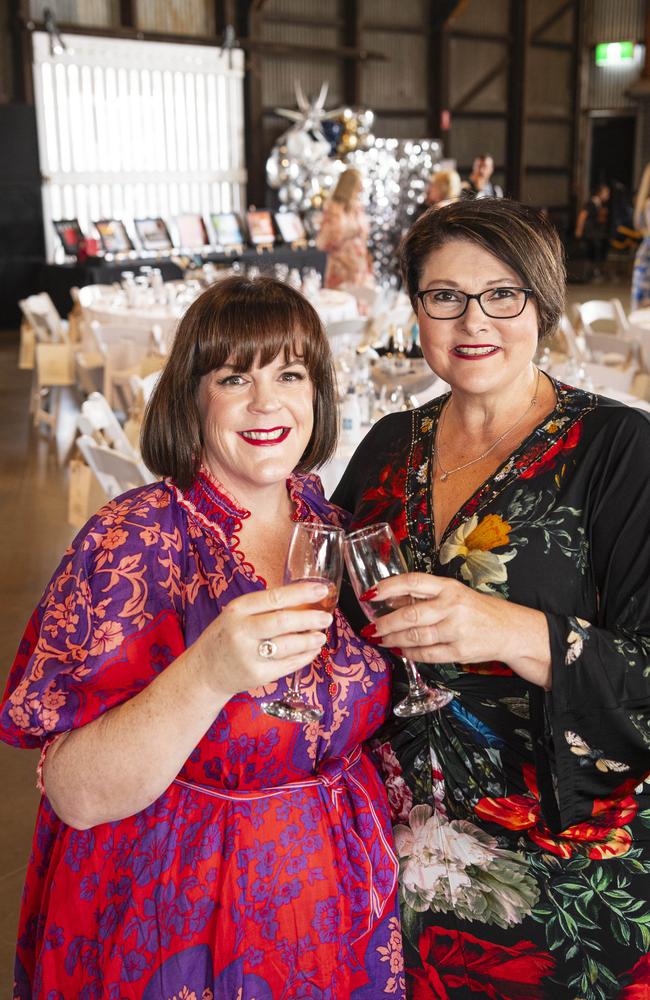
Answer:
[(528, 648), (203, 678)]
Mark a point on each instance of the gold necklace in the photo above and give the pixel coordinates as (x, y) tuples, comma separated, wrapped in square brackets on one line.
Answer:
[(446, 473)]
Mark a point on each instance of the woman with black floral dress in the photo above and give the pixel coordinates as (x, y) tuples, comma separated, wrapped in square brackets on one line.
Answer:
[(523, 509)]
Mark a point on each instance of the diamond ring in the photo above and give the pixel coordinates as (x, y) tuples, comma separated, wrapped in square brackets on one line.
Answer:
[(267, 649)]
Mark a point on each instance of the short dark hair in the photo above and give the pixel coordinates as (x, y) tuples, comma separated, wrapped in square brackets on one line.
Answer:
[(237, 320), (518, 235)]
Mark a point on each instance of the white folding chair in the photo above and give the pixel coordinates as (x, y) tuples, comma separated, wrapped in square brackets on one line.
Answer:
[(124, 349), (105, 426), (42, 315), (610, 349), (116, 473), (607, 313)]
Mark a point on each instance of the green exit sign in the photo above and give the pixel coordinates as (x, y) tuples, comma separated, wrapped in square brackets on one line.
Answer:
[(614, 53)]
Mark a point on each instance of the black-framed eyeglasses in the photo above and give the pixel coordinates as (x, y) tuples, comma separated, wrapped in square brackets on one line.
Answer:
[(505, 302)]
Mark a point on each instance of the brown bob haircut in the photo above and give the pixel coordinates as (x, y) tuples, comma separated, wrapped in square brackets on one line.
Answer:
[(519, 236), (238, 321)]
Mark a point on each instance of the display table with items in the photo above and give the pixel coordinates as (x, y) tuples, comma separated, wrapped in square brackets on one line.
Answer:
[(58, 279)]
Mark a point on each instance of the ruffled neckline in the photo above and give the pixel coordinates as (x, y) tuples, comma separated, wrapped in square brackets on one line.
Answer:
[(217, 509)]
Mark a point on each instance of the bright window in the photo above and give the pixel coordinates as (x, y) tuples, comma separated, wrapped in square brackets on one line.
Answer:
[(131, 129)]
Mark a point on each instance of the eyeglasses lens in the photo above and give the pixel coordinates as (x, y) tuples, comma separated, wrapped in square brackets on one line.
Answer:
[(498, 303)]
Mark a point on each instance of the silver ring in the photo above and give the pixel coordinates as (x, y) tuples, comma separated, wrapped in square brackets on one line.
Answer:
[(267, 649)]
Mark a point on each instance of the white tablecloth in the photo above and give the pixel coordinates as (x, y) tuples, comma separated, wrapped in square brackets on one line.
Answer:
[(163, 316), (333, 305), (640, 317)]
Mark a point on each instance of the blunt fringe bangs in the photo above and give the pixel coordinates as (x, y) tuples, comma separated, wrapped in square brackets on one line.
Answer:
[(239, 321), (519, 236)]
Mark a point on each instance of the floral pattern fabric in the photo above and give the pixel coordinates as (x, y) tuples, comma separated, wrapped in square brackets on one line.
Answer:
[(522, 821), (344, 236), (266, 870)]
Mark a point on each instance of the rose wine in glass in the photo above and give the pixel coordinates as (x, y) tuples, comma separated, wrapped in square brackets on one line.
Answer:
[(315, 555), (372, 554)]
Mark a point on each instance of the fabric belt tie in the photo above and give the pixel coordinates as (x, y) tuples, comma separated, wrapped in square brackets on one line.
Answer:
[(370, 855)]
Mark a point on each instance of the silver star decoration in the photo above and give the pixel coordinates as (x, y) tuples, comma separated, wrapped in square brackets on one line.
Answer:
[(310, 114)]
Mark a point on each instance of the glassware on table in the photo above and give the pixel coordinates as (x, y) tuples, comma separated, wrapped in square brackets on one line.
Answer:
[(372, 554), (315, 555)]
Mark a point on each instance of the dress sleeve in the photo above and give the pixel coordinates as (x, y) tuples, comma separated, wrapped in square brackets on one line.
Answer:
[(331, 230), (593, 726), (108, 623)]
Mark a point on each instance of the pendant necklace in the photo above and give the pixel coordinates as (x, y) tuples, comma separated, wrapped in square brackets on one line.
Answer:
[(446, 473)]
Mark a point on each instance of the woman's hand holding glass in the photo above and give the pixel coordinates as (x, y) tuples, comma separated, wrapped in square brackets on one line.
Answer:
[(315, 555), (228, 654), (374, 560), (445, 621)]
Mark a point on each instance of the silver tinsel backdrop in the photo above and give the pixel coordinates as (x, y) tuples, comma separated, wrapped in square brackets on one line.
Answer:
[(306, 160)]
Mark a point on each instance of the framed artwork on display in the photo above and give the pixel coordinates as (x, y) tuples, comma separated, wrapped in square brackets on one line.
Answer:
[(260, 227), (227, 229), (192, 231), (153, 234), (70, 234), (114, 237), (290, 227)]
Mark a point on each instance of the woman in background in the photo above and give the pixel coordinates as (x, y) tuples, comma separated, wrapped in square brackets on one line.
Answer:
[(444, 187), (344, 235), (641, 275)]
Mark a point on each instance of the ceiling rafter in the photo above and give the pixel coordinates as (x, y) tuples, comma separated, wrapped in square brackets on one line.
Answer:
[(548, 22), (476, 88)]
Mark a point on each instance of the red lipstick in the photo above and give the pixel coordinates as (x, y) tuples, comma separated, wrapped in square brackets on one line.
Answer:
[(280, 434)]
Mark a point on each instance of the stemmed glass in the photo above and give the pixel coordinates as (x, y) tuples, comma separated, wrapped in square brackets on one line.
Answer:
[(315, 555), (372, 554)]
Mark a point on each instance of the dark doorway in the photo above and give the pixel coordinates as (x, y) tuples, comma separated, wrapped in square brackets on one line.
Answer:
[(612, 150)]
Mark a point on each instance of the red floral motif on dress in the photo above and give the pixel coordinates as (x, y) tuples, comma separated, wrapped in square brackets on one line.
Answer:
[(606, 831), (453, 960), (636, 982), (548, 456)]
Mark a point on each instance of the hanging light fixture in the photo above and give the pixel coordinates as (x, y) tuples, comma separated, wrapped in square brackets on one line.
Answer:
[(57, 45)]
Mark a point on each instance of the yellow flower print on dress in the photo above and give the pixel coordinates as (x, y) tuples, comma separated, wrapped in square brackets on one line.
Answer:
[(473, 542)]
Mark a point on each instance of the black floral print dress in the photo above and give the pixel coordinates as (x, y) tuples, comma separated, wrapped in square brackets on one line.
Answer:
[(522, 821)]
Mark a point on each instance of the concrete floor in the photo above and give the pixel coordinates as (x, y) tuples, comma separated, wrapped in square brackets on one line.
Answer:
[(33, 502), (33, 506)]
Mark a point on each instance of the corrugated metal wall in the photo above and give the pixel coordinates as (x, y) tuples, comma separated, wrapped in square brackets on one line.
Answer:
[(613, 22), (89, 13)]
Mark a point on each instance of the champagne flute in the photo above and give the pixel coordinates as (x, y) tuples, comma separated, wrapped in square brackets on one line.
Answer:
[(316, 556), (372, 554)]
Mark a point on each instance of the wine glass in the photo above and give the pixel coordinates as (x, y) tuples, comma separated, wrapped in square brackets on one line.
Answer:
[(372, 554), (315, 555)]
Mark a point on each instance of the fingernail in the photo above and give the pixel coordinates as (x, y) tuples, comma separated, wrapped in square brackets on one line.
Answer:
[(369, 631), (369, 594), (319, 589), (396, 651)]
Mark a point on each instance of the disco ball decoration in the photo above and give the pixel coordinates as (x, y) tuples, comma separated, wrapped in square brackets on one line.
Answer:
[(307, 159), (396, 173)]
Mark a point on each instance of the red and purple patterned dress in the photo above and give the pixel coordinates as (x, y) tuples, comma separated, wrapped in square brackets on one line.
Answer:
[(266, 868)]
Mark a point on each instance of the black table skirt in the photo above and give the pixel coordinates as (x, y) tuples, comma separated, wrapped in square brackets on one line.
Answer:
[(58, 279)]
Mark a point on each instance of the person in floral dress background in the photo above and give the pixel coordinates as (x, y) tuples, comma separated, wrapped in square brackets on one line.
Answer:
[(522, 816), (189, 846), (343, 235)]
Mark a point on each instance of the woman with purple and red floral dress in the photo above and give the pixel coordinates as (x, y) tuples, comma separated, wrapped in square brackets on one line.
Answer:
[(522, 821), (189, 846)]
